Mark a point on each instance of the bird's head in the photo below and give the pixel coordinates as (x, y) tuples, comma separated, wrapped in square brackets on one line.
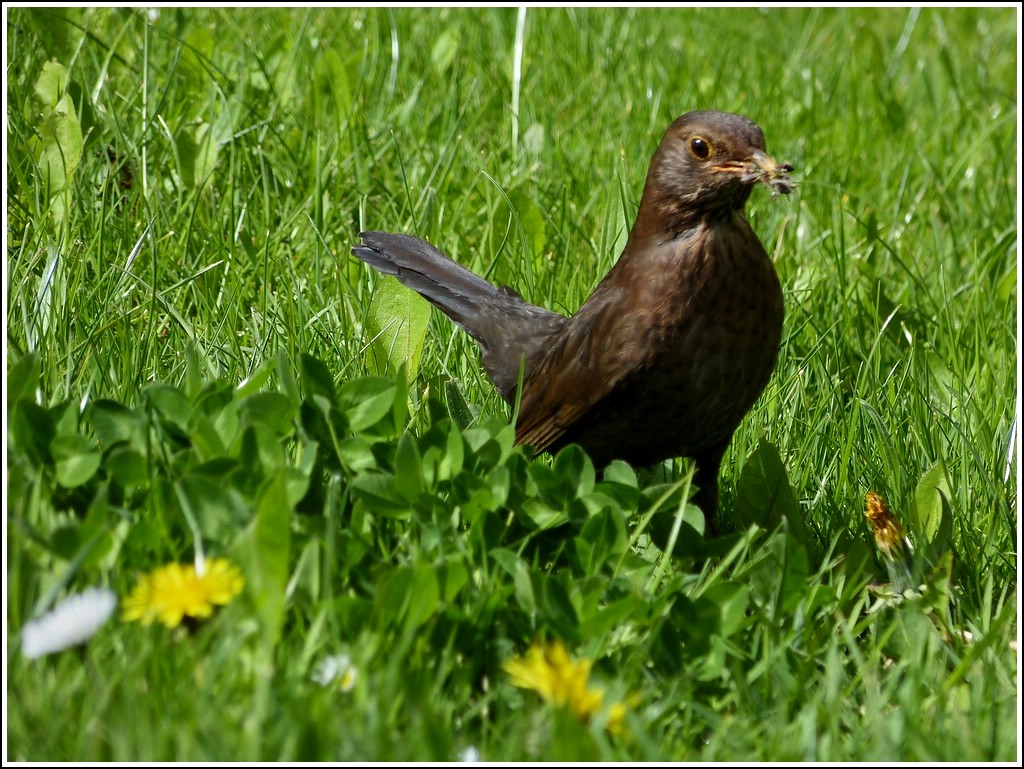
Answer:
[(707, 164)]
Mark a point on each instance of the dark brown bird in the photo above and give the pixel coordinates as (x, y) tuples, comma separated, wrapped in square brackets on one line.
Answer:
[(672, 348)]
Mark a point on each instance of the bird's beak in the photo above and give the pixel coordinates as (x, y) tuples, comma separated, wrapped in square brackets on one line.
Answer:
[(766, 164)]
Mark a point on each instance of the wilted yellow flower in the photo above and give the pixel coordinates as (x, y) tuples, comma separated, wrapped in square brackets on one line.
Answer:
[(556, 677), (886, 529), (176, 591)]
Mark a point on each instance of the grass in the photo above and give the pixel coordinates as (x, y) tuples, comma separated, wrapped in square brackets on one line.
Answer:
[(228, 160)]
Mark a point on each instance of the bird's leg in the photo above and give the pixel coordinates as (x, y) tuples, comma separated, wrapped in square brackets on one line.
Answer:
[(706, 480)]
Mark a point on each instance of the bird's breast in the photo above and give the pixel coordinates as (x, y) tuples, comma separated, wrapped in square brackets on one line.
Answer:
[(712, 316)]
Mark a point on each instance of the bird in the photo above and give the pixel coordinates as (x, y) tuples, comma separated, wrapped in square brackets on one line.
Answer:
[(673, 346)]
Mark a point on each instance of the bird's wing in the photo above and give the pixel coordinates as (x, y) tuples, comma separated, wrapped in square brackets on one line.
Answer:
[(581, 370)]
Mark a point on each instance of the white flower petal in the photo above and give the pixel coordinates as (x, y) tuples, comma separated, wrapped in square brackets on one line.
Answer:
[(336, 670), (71, 622), (470, 755)]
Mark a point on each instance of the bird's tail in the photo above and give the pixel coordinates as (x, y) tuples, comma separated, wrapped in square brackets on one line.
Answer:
[(507, 329), (457, 292)]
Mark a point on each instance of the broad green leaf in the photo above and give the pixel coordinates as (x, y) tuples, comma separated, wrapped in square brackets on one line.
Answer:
[(380, 494), (795, 570), (445, 47), (269, 546), (356, 455), (763, 494), (171, 403), (207, 152), (286, 378), (620, 472), (534, 228), (354, 614), (213, 399), (197, 51), (56, 31), (260, 451), (1007, 284), (408, 469), (474, 495), (127, 466), (60, 135), (220, 511), (396, 327), (453, 577), (524, 590), (185, 153), (694, 517), (424, 597), (31, 430), (218, 468), (394, 591), (931, 517), (575, 471), (269, 409), (366, 401), (75, 458), (558, 607), (697, 620), (666, 648), (111, 422), (450, 464), (506, 559), (253, 383), (605, 532), (77, 469), (210, 440), (66, 541), (548, 488), (500, 482), (193, 370), (316, 378), (296, 484), (67, 418), (400, 404), (101, 533), (612, 616), (537, 514), (731, 599), (23, 379), (914, 635)]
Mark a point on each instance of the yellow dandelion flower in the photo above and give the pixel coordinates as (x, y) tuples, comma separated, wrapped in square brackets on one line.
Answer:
[(223, 581), (616, 714), (176, 591), (557, 678)]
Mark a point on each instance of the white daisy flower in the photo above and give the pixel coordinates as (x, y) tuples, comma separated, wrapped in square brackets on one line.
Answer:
[(336, 670), (470, 755), (71, 622)]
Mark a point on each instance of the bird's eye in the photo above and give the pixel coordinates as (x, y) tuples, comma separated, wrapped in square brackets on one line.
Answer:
[(701, 148)]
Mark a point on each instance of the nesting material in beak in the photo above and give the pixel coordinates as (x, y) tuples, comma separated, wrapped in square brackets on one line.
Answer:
[(764, 168)]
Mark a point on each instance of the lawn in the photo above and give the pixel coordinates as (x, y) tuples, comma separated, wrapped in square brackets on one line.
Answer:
[(199, 373)]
